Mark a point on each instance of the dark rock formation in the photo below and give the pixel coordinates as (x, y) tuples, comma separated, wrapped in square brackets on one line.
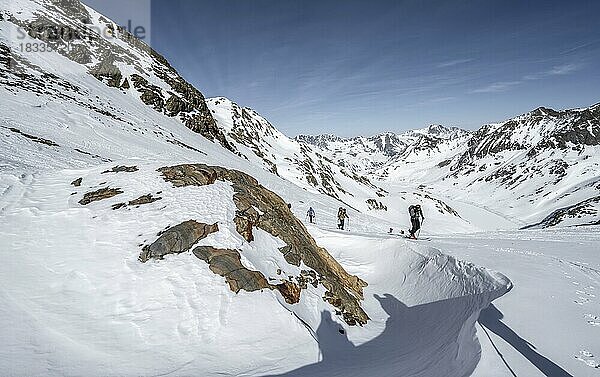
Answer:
[(177, 239), (259, 207), (583, 209), (119, 169), (103, 193), (32, 137), (227, 263), (375, 205), (118, 206), (77, 182), (144, 199)]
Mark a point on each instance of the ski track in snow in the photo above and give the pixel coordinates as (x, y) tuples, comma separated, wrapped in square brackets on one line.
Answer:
[(558, 274)]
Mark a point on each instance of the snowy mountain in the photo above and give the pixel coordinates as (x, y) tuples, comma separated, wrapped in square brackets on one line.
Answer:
[(537, 163), (366, 154), (146, 230), (538, 169), (317, 169), (261, 143)]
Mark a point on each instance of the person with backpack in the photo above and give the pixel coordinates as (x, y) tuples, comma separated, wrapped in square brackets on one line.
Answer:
[(310, 214), (416, 218), (342, 216)]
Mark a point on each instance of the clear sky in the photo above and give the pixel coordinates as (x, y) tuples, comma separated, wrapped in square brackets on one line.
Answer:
[(363, 67)]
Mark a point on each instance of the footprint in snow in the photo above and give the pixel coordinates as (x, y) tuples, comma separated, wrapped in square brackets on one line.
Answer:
[(582, 300), (585, 293), (587, 358), (592, 320)]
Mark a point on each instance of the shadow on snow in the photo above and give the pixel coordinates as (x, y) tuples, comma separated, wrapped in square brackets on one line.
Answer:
[(490, 319), (417, 341), (433, 339)]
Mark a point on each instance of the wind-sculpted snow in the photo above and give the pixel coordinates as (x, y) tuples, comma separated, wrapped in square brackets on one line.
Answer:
[(424, 332), (96, 310)]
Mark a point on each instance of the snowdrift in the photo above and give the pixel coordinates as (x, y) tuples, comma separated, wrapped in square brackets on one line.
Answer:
[(78, 301)]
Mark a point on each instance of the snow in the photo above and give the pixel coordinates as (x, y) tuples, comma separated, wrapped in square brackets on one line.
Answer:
[(548, 319), (96, 310), (76, 301)]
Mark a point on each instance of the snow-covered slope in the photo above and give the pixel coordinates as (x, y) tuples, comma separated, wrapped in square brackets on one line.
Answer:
[(315, 166), (124, 259), (96, 310), (102, 154), (367, 154), (540, 168), (261, 143)]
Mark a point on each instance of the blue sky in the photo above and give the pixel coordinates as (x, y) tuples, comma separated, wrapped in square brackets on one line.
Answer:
[(363, 67)]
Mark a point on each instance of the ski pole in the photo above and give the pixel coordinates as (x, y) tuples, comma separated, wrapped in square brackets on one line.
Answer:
[(419, 232)]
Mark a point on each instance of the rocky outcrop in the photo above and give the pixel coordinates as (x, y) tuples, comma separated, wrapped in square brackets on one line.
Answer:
[(71, 36), (375, 205), (177, 239), (586, 209), (258, 207), (144, 199), (32, 137), (227, 263), (119, 169), (77, 182), (103, 193)]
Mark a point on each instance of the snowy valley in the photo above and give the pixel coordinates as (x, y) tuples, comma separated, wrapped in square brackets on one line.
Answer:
[(149, 231)]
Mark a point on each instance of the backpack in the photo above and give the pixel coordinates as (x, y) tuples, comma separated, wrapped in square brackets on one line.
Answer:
[(412, 211)]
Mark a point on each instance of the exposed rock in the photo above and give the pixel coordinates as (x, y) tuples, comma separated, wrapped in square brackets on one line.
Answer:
[(588, 208), (177, 239), (307, 277), (77, 182), (289, 291), (103, 193), (31, 137), (375, 205), (189, 175), (227, 263), (175, 105), (259, 207), (121, 168), (444, 163), (144, 199), (118, 205), (107, 72), (151, 95)]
